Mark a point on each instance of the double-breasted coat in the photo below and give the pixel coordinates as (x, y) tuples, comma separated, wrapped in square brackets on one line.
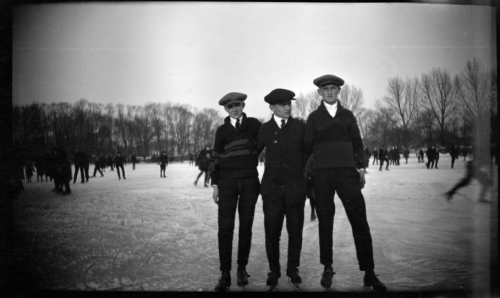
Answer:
[(285, 160)]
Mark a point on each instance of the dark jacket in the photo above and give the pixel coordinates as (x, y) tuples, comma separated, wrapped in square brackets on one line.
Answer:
[(235, 153), (203, 160), (334, 141), (382, 154), (285, 160), (454, 152)]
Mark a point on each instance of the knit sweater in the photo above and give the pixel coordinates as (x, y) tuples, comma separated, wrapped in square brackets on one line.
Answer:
[(335, 142), (235, 153)]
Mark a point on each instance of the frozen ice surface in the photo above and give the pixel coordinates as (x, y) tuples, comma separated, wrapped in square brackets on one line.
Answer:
[(148, 233)]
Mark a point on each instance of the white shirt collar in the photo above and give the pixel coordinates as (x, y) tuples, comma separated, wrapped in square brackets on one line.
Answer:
[(332, 109), (278, 120), (233, 121)]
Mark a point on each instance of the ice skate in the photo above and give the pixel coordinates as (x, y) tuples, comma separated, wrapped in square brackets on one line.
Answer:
[(272, 280), (371, 280), (242, 278), (295, 278), (224, 282), (326, 279)]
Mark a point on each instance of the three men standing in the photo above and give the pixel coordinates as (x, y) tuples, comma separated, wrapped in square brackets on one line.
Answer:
[(332, 136), (283, 186), (236, 184)]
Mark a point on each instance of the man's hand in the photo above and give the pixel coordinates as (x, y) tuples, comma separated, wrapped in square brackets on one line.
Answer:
[(362, 180), (215, 195)]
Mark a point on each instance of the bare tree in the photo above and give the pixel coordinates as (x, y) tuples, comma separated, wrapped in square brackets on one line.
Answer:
[(477, 90), (440, 93), (121, 124), (155, 114), (305, 104), (351, 98), (403, 99)]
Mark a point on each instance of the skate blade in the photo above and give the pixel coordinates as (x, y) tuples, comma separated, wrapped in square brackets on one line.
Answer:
[(295, 286)]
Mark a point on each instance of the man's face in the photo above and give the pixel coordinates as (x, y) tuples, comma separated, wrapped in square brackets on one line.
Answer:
[(329, 93), (282, 109), (234, 109)]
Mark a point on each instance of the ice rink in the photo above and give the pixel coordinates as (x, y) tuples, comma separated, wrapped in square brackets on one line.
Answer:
[(148, 233)]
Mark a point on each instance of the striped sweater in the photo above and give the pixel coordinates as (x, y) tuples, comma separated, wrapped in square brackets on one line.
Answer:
[(235, 153), (335, 142)]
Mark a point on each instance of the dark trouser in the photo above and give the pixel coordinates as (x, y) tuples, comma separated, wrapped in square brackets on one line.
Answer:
[(81, 168), (133, 165), (96, 168), (207, 176), (162, 170), (382, 164), (274, 214), (375, 160), (430, 163), (344, 182), (86, 167), (436, 164), (453, 161), (118, 167), (462, 183), (241, 194)]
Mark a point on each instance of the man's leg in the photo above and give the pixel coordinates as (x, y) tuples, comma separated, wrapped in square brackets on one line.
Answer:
[(349, 192), (325, 211), (76, 173), (274, 215), (462, 183), (249, 189), (294, 226), (228, 200)]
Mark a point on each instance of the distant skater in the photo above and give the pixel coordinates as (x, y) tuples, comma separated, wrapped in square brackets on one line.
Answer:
[(472, 172), (203, 162), (119, 162), (29, 171), (163, 164)]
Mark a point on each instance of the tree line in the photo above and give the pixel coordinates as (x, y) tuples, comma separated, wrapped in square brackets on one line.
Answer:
[(104, 129), (437, 108)]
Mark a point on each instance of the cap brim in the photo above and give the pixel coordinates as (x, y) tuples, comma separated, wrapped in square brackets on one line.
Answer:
[(232, 101)]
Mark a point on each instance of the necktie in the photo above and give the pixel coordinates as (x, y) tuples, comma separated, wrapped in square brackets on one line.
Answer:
[(238, 124), (283, 123)]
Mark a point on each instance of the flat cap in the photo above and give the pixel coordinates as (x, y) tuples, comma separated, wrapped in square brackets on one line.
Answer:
[(278, 95), (327, 80), (233, 96)]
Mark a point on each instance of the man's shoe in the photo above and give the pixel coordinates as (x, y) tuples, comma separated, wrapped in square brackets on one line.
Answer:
[(371, 280), (326, 279), (294, 276), (272, 278), (224, 282), (242, 277)]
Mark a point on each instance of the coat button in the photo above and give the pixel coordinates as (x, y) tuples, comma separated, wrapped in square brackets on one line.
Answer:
[(275, 142)]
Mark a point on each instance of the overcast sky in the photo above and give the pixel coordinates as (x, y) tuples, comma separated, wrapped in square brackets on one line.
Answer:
[(195, 53)]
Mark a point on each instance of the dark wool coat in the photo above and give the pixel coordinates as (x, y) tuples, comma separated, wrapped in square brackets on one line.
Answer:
[(285, 161)]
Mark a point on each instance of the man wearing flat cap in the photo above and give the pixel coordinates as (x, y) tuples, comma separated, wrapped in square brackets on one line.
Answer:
[(283, 186), (236, 184), (332, 136)]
